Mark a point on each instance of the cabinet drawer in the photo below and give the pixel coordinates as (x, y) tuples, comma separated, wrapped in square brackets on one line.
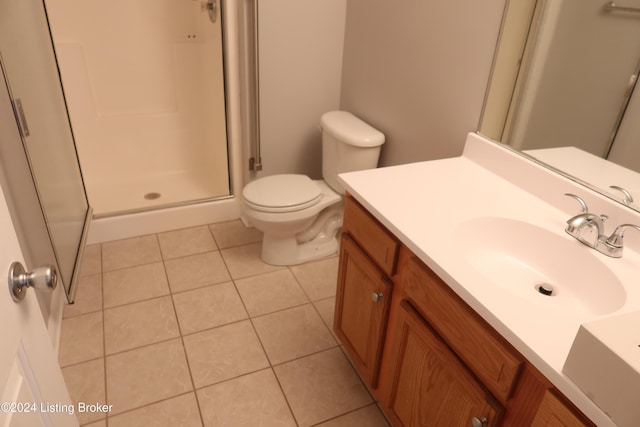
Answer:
[(470, 337), (378, 242)]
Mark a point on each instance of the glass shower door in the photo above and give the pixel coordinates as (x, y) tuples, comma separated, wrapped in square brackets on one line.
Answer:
[(31, 74)]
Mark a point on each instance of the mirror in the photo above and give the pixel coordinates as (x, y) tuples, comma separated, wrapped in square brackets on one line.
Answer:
[(562, 90)]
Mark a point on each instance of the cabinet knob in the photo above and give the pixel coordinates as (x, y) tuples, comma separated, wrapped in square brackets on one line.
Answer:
[(377, 296), (479, 422)]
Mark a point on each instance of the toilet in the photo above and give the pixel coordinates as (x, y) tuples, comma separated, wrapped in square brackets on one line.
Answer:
[(301, 218)]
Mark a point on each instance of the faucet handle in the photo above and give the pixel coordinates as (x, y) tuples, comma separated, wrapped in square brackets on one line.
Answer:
[(612, 246), (615, 240), (583, 204)]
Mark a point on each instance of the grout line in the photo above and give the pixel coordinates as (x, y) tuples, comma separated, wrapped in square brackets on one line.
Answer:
[(355, 369), (226, 380), (200, 287), (213, 237), (152, 403), (164, 340), (374, 404), (104, 336), (181, 336), (190, 255), (135, 265), (81, 362), (199, 251), (142, 264), (249, 241), (131, 267), (184, 348), (284, 395), (273, 371), (279, 310), (306, 356), (328, 327), (113, 307)]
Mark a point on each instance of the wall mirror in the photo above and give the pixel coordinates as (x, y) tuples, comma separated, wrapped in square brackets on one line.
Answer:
[(563, 90)]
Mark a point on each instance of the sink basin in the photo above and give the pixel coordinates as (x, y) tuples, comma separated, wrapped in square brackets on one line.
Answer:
[(541, 266)]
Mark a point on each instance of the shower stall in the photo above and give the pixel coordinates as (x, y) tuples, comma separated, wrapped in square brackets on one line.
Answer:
[(145, 82)]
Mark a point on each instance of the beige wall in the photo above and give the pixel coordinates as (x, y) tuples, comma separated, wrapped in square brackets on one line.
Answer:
[(418, 70), (300, 64)]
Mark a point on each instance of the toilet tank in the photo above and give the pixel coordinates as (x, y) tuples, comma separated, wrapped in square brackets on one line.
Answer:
[(348, 144)]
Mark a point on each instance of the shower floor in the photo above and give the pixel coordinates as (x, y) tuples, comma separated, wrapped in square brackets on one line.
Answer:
[(125, 195)]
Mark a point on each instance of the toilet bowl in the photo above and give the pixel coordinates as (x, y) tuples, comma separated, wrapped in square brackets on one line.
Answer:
[(301, 218), (295, 204)]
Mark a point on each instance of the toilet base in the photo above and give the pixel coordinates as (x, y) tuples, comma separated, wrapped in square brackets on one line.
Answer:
[(288, 250)]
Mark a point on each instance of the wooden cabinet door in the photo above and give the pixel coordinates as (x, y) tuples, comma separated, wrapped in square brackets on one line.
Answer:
[(363, 299), (431, 387), (554, 413)]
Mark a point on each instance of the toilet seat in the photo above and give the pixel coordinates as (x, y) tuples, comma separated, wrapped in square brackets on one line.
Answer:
[(282, 193)]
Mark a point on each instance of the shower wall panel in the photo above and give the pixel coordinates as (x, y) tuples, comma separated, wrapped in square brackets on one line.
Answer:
[(144, 81)]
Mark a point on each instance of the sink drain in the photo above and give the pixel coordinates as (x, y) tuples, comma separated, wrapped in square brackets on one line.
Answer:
[(545, 289), (152, 196)]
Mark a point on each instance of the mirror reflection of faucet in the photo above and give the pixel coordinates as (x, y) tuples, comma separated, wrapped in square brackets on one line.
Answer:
[(588, 228), (628, 198)]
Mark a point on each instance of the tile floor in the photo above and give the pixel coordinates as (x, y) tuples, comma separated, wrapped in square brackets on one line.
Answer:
[(190, 328)]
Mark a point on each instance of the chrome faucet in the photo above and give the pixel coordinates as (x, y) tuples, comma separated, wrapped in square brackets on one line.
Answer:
[(583, 225)]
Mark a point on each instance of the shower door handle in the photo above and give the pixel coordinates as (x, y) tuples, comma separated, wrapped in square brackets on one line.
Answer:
[(211, 7)]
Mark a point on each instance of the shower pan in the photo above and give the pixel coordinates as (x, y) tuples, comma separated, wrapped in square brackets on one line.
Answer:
[(145, 85)]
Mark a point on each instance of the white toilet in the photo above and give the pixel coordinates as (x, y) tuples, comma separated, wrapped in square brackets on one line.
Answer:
[(300, 217)]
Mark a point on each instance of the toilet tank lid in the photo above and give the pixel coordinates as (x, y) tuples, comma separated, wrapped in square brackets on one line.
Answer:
[(346, 127)]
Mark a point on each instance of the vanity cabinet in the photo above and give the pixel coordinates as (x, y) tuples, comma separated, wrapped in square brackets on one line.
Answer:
[(429, 358), (449, 369), (554, 412), (365, 288), (431, 386), (483, 352)]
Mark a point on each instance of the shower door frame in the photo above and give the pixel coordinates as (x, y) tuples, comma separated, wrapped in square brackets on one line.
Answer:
[(32, 206), (238, 28), (210, 192)]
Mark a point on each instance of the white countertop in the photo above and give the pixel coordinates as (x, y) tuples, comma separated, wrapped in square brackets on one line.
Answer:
[(423, 204)]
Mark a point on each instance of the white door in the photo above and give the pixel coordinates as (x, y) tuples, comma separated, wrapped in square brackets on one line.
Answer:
[(32, 390)]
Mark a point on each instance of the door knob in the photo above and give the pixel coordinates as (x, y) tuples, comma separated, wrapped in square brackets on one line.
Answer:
[(39, 278), (376, 296)]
